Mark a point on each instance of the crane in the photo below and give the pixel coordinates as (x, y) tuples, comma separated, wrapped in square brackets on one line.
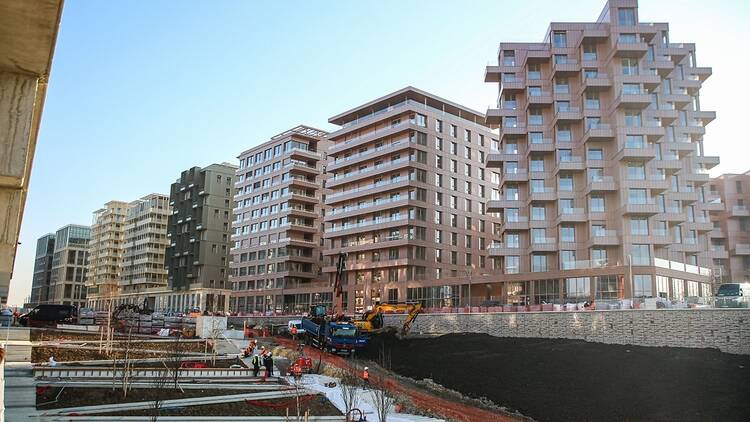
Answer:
[(372, 320), (338, 292)]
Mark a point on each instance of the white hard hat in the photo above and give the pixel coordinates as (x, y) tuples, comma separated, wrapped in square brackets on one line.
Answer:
[(366, 368)]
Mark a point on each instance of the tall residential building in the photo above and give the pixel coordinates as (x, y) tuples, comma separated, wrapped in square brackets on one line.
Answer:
[(730, 239), (106, 249), (69, 265), (140, 228), (601, 162), (276, 257), (197, 258), (407, 193), (45, 250)]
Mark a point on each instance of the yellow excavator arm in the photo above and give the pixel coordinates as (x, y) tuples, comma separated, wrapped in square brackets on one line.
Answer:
[(372, 321)]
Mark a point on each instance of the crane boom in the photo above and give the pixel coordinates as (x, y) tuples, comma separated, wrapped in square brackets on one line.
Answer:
[(337, 290)]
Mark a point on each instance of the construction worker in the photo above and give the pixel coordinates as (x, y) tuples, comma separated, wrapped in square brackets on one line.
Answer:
[(256, 360), (293, 332), (366, 376), (268, 362)]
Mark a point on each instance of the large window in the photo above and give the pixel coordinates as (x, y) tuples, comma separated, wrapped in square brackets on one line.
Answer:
[(608, 287), (640, 254), (512, 264), (578, 288), (629, 66), (642, 285), (434, 297), (639, 226), (560, 39), (626, 16), (538, 263), (546, 291)]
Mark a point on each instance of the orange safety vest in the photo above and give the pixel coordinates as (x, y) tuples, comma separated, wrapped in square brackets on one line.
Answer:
[(293, 330), (365, 375)]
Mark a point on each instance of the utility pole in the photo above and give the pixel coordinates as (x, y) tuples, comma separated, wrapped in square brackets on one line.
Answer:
[(630, 276)]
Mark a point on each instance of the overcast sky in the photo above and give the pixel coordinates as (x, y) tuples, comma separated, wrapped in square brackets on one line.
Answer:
[(141, 90)]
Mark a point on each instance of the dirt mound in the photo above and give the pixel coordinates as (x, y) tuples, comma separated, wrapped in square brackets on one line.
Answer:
[(571, 380)]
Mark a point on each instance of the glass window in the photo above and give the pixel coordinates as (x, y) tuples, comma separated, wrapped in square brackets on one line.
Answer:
[(560, 39), (597, 203), (566, 183), (538, 263), (642, 285), (626, 16), (639, 226), (640, 254), (578, 288)]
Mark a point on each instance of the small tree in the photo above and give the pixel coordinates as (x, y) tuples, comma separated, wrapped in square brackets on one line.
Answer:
[(348, 388), (382, 397), (159, 382)]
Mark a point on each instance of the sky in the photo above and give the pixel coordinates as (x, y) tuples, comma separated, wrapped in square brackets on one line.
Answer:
[(141, 90)]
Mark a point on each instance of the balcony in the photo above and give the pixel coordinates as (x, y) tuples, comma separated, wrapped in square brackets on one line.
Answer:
[(679, 100), (545, 194), (341, 178), (691, 85), (566, 66), (501, 249), (513, 128), (630, 49), (648, 207), (694, 130), (717, 252), (632, 100), (669, 163), (514, 85), (676, 51), (683, 146), (702, 73), (649, 80), (496, 159), (493, 73), (603, 238), (601, 80), (544, 145), (517, 223), (497, 205), (369, 188), (663, 65), (705, 117), (495, 116), (381, 222), (570, 163), (684, 194), (739, 211), (601, 184), (517, 175), (713, 206), (598, 132), (717, 233), (539, 98), (636, 153), (393, 146), (659, 237), (572, 215), (707, 161), (742, 249), (543, 244), (700, 177), (357, 140), (665, 112), (566, 114)]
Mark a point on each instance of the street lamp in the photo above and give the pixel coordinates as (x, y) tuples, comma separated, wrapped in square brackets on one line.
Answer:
[(630, 276)]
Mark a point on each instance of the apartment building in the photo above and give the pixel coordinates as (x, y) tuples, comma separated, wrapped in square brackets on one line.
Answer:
[(730, 237), (40, 282), (106, 249), (140, 230), (69, 265), (407, 192), (276, 254), (197, 258), (601, 164)]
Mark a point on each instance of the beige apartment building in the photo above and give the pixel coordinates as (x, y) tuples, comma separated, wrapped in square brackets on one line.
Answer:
[(730, 238), (106, 249), (601, 164), (276, 253), (407, 192)]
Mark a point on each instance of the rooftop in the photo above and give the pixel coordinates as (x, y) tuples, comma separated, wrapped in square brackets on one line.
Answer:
[(408, 93)]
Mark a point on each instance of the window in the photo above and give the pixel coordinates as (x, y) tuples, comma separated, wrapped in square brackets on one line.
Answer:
[(467, 135), (563, 133), (561, 86), (438, 143), (534, 72), (537, 164), (634, 142), (597, 203), (627, 38), (537, 212), (567, 233), (640, 254), (567, 260), (589, 52), (566, 183), (578, 288), (637, 196), (592, 100), (631, 89), (626, 16), (642, 285), (639, 226), (454, 130), (636, 171), (629, 66), (538, 263), (632, 118), (607, 287), (738, 186), (512, 264), (438, 126), (512, 240), (560, 39), (594, 154)]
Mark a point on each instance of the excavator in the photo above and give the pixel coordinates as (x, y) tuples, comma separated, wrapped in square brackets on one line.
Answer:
[(372, 320)]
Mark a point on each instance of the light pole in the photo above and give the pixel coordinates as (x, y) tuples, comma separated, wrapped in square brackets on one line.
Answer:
[(630, 276)]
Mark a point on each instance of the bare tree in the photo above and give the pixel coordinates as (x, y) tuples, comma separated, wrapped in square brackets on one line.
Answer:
[(174, 360), (159, 382), (382, 397), (127, 365), (348, 388)]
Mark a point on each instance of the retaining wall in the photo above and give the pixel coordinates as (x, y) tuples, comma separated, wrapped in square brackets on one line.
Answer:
[(725, 329)]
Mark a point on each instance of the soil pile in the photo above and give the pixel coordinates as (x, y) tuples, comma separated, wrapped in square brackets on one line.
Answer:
[(572, 380)]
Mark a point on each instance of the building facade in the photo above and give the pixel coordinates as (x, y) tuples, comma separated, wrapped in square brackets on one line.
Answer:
[(40, 283), (197, 258), (69, 265), (276, 254), (106, 249), (601, 164), (140, 228), (730, 238), (407, 193)]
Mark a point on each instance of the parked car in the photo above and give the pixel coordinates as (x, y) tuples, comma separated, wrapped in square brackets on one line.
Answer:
[(733, 295), (49, 316)]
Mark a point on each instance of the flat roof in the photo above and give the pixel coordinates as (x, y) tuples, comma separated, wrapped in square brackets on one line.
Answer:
[(303, 130), (410, 93)]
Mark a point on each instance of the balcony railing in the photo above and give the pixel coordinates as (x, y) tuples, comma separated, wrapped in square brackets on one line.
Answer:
[(342, 210), (368, 223), (369, 186), (370, 151), (391, 163)]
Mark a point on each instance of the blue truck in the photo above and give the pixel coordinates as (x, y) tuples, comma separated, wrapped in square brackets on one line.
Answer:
[(339, 337)]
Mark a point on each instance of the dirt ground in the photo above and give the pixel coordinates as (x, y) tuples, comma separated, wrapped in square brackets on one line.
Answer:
[(119, 341), (42, 354), (571, 380)]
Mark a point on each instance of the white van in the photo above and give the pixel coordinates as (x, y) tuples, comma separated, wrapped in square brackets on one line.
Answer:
[(733, 295)]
